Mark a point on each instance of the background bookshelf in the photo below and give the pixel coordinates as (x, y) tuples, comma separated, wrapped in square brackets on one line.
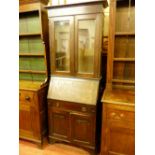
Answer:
[(118, 108), (32, 51), (33, 70), (124, 44)]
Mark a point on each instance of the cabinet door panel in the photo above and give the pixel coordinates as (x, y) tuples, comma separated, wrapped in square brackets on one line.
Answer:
[(82, 128), (59, 124), (86, 35), (121, 141), (25, 122), (62, 44), (118, 131)]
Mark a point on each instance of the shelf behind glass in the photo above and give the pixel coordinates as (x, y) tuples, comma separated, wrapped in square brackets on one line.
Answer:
[(86, 40), (62, 44)]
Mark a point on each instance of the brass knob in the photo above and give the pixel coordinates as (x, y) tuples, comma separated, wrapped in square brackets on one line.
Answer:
[(113, 114), (84, 109), (121, 115), (57, 104), (27, 98)]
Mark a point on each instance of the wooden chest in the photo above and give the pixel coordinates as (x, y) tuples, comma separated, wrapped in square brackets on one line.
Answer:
[(118, 124), (32, 113)]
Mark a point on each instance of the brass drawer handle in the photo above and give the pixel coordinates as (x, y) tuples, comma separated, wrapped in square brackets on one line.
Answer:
[(121, 115), (60, 116), (113, 114), (27, 98), (92, 110), (84, 109), (57, 104), (116, 116), (81, 121)]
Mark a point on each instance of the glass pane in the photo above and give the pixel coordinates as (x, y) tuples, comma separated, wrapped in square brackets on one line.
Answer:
[(62, 45), (86, 37)]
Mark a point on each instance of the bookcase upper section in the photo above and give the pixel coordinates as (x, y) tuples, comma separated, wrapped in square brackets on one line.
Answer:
[(121, 59), (33, 42)]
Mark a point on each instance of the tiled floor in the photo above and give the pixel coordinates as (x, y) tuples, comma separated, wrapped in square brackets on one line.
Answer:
[(28, 148)]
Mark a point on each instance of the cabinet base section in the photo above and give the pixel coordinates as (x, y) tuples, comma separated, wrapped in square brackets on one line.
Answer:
[(36, 141), (90, 149)]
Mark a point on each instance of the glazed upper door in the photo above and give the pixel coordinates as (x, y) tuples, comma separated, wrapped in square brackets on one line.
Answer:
[(87, 45), (62, 44)]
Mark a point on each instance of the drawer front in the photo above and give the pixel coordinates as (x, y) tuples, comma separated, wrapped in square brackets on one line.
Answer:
[(121, 115), (72, 106), (26, 96)]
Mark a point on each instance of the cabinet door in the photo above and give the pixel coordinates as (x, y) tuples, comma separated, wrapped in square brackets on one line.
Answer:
[(61, 44), (83, 129), (120, 127), (25, 115), (88, 35), (120, 141), (25, 123), (29, 123), (58, 124), (118, 132)]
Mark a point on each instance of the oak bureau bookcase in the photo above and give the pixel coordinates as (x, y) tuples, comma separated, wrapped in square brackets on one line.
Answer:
[(119, 96), (75, 32), (33, 69)]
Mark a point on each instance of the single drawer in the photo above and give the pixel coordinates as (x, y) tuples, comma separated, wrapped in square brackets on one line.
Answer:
[(122, 115), (26, 96), (72, 106)]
